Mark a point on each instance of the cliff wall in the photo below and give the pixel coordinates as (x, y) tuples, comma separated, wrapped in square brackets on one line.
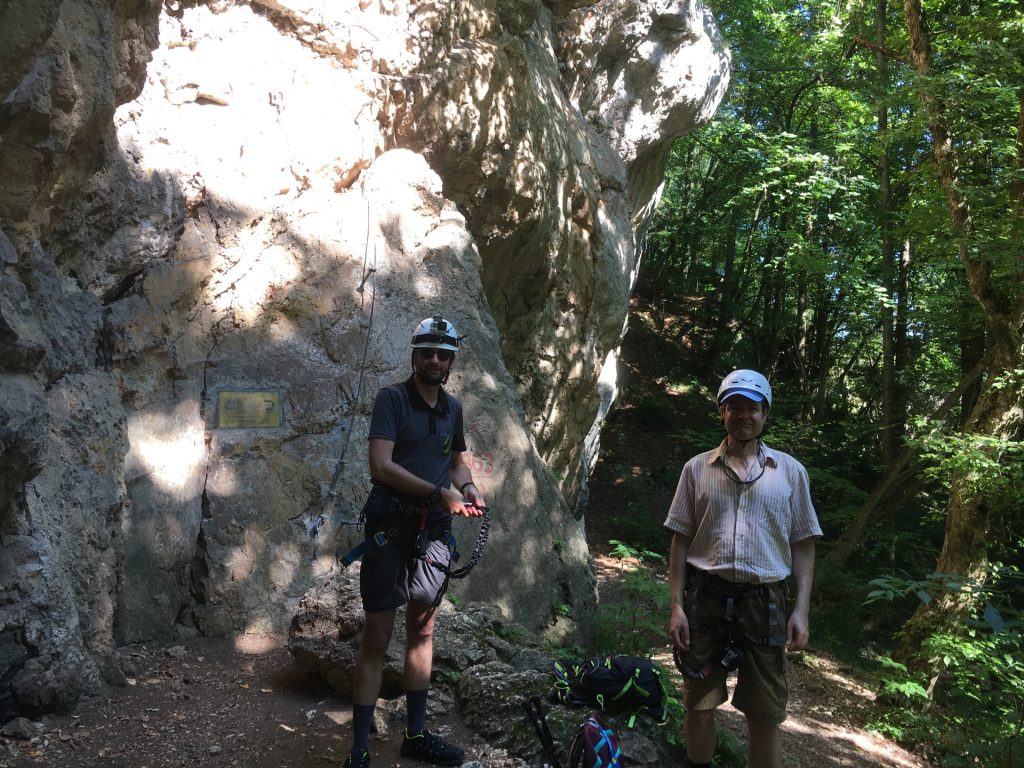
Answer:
[(220, 222)]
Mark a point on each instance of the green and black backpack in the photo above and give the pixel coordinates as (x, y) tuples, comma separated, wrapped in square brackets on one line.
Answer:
[(627, 682)]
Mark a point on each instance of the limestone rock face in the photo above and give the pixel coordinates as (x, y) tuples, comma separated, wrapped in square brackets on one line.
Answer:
[(220, 222)]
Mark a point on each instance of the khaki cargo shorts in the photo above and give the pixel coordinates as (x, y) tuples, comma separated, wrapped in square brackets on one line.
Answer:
[(761, 691)]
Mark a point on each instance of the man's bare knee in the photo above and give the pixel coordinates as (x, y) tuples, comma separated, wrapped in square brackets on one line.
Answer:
[(419, 622), (377, 630), (700, 716)]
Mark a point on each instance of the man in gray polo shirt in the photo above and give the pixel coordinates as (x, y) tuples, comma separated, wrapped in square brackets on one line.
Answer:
[(417, 453), (742, 522)]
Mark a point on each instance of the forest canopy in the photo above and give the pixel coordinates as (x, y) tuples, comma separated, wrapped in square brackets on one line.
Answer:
[(851, 225)]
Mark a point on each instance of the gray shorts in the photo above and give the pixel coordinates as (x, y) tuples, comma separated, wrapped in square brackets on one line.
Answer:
[(393, 575), (389, 578)]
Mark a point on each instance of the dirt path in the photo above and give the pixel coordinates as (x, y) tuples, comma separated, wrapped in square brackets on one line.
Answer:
[(214, 704)]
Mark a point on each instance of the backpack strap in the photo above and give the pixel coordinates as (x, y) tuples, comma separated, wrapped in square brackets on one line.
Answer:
[(565, 671), (607, 737)]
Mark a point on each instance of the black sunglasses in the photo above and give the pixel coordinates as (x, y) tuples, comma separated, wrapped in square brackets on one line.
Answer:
[(444, 355)]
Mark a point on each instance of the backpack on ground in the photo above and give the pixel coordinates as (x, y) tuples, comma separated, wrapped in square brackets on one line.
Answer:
[(629, 682), (594, 746)]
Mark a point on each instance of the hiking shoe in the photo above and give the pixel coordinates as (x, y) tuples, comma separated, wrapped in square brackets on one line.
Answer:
[(429, 748), (362, 760)]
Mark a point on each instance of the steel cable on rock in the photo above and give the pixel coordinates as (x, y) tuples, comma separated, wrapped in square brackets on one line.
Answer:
[(331, 497)]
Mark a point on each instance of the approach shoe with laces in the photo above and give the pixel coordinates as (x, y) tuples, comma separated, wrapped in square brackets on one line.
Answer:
[(429, 748), (360, 760)]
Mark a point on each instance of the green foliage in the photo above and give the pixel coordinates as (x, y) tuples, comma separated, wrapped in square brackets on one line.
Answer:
[(904, 719), (653, 412), (972, 709), (692, 441), (637, 522), (984, 464), (637, 621), (730, 752), (622, 551)]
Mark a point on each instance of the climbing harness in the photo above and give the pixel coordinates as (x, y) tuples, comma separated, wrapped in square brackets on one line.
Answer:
[(379, 539), (422, 542), (733, 652)]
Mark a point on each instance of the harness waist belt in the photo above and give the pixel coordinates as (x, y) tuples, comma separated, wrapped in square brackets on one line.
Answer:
[(724, 586), (403, 508), (732, 592)]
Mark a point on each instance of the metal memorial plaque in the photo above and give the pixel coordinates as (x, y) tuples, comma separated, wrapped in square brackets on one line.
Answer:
[(248, 409)]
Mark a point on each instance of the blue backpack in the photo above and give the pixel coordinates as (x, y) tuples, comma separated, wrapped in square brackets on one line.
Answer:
[(594, 746)]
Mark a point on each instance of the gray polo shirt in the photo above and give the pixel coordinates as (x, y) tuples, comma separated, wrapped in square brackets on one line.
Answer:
[(424, 437)]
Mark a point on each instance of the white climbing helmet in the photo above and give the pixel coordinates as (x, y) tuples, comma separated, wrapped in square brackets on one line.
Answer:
[(749, 384), (435, 333)]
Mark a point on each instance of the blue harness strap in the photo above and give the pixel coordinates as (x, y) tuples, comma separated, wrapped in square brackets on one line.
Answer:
[(379, 539), (449, 541)]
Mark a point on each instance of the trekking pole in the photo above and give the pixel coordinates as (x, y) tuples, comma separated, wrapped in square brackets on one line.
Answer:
[(535, 711)]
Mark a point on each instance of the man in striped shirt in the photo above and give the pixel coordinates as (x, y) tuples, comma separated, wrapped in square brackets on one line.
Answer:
[(742, 523)]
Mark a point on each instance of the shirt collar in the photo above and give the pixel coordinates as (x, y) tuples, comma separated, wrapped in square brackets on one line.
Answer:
[(770, 454), (419, 404)]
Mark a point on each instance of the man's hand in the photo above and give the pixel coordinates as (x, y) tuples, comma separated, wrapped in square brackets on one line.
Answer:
[(474, 498), (797, 631), (679, 628), (472, 505)]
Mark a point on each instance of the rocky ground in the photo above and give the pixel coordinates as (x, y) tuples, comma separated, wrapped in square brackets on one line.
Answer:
[(222, 704)]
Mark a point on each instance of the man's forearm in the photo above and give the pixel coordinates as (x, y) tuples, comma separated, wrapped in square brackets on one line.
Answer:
[(677, 566), (803, 573)]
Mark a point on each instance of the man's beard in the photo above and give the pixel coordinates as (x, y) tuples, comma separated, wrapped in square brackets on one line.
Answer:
[(430, 378)]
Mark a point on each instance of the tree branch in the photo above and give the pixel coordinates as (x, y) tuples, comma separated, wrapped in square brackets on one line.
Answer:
[(895, 476), (889, 53)]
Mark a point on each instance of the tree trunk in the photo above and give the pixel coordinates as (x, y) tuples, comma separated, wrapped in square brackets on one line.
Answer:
[(900, 336), (727, 287), (997, 410), (896, 474), (889, 415)]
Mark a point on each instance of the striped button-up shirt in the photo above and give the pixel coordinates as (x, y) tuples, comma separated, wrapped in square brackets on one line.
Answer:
[(743, 531)]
